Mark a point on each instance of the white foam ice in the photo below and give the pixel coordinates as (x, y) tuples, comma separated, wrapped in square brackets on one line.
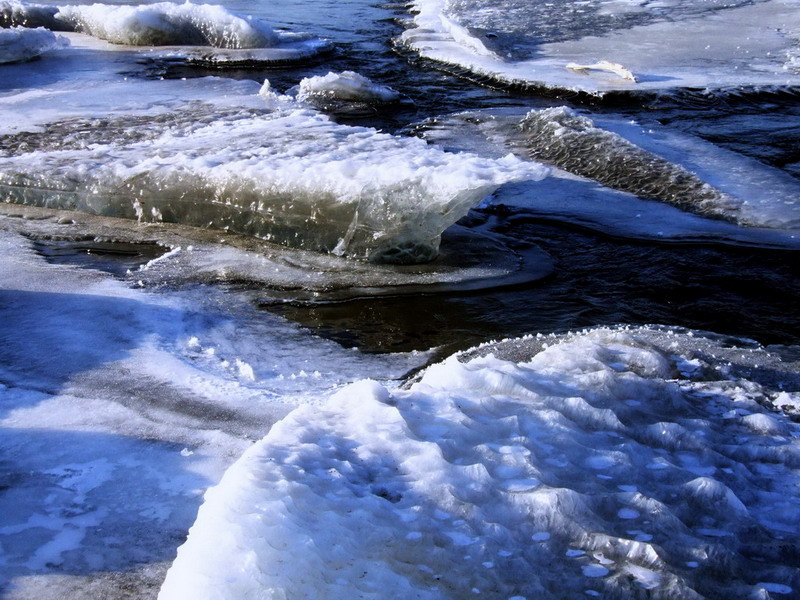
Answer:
[(168, 24), (285, 173), (543, 467), (664, 45), (345, 86), (18, 44), (199, 33)]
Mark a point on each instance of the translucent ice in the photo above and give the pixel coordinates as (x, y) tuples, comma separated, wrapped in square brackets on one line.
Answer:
[(287, 175), (663, 45)]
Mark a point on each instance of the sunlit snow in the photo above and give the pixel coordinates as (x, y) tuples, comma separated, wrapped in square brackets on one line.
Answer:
[(486, 471), (665, 46)]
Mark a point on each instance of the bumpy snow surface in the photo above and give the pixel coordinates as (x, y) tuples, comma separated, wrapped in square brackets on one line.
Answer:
[(638, 463), (18, 44), (229, 37)]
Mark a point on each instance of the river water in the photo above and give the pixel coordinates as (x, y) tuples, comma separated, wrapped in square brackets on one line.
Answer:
[(145, 345)]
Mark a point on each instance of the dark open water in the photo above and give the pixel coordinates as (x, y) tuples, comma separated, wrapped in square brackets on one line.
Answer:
[(598, 279)]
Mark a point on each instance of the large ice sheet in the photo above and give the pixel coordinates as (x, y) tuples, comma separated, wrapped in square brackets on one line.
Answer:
[(623, 463), (664, 45), (286, 174), (212, 152)]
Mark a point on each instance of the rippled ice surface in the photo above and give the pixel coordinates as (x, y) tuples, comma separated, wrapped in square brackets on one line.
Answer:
[(145, 362)]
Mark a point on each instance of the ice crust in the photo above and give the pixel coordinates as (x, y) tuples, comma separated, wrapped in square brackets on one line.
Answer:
[(665, 45), (288, 175), (626, 463), (19, 44), (196, 33)]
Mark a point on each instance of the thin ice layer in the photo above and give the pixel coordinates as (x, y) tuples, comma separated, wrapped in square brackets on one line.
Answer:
[(621, 463), (19, 44), (664, 45), (288, 175), (469, 259), (679, 180)]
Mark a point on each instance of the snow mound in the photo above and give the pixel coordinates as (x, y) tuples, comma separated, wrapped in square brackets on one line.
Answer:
[(196, 33), (346, 86), (593, 467), (19, 44)]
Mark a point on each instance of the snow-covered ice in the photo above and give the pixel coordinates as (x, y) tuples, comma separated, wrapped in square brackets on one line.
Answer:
[(230, 39), (590, 464), (663, 45), (18, 44), (120, 405)]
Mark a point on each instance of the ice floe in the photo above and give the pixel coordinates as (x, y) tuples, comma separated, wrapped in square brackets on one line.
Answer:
[(549, 466), (19, 44), (286, 174), (661, 46), (746, 200)]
